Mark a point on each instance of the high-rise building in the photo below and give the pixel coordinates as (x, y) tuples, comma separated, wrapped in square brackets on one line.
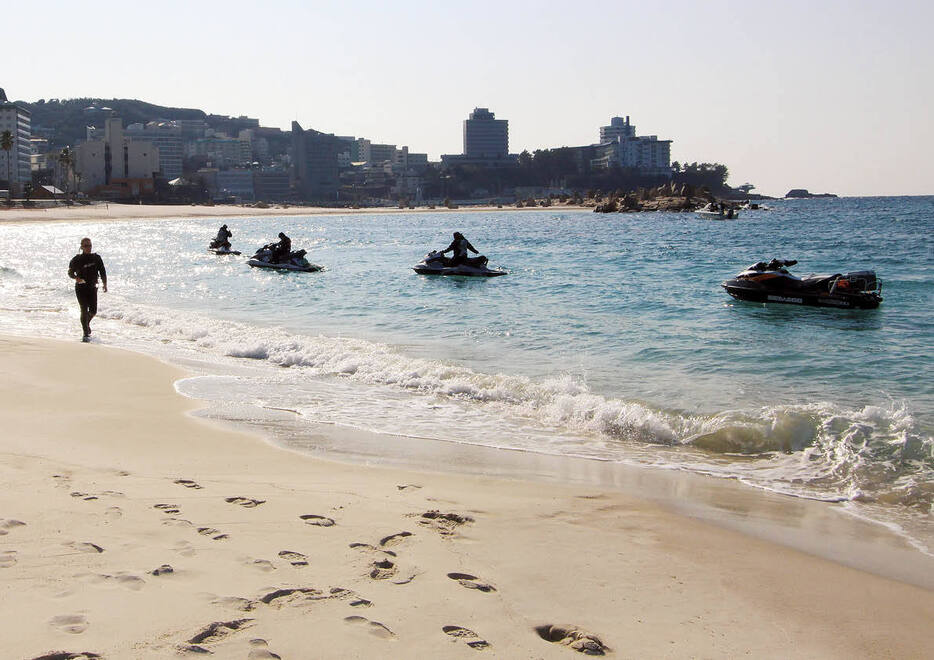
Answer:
[(16, 162), (316, 169), (485, 137), (167, 137), (618, 127)]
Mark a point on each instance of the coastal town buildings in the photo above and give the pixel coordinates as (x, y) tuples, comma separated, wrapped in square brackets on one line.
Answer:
[(15, 168), (620, 147), (316, 170), (112, 165)]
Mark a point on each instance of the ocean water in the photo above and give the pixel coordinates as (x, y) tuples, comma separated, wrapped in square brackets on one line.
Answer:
[(611, 338)]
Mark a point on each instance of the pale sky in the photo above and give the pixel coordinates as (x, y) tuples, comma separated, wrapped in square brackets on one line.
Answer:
[(827, 95)]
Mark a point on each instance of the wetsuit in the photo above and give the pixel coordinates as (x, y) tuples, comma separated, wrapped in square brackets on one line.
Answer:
[(221, 239), (283, 249), (87, 267), (459, 247)]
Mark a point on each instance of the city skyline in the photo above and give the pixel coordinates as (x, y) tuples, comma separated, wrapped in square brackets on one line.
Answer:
[(828, 98)]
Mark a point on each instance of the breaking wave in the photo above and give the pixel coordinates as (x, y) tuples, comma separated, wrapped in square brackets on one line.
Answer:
[(823, 450)]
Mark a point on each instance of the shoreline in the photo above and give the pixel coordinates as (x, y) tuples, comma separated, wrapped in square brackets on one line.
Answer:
[(119, 478)]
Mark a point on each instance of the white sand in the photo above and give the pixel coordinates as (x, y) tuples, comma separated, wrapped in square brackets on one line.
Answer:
[(94, 449), (98, 212)]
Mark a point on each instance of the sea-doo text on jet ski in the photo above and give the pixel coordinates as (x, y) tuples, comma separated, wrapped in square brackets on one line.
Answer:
[(771, 282), (436, 263), (296, 261)]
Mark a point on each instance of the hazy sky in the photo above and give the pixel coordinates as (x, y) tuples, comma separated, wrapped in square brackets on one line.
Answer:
[(827, 95)]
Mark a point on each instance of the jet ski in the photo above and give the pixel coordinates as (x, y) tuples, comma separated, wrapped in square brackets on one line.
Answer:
[(771, 282), (221, 248), (436, 263), (296, 261)]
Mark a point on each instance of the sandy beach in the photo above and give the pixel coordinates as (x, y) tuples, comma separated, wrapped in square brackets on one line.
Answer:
[(99, 211), (131, 529)]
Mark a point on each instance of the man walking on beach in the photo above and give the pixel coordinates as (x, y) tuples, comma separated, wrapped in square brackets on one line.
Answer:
[(84, 268)]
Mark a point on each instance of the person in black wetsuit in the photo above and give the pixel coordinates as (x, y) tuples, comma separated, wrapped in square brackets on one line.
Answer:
[(459, 247), (84, 268), (283, 249), (222, 240)]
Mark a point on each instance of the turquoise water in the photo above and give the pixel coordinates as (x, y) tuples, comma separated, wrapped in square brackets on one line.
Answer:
[(610, 339)]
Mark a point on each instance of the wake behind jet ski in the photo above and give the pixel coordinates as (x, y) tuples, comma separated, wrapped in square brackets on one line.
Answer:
[(771, 282), (266, 257)]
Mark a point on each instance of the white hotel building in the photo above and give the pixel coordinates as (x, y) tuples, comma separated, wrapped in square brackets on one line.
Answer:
[(16, 119)]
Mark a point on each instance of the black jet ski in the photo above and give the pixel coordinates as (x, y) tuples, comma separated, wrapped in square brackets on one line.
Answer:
[(436, 263), (296, 261), (221, 248), (771, 282)]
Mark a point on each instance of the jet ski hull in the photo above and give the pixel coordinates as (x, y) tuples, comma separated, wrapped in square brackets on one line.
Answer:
[(745, 290), (310, 268), (458, 271), (222, 253)]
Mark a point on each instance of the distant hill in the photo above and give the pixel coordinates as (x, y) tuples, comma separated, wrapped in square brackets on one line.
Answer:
[(66, 119)]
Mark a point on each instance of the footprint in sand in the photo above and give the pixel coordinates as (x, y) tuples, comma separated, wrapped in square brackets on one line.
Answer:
[(445, 523), (373, 627), (122, 579), (319, 521), (408, 486), (68, 655), (260, 651), (7, 558), (83, 496), (167, 508), (262, 564), (165, 569), (6, 525), (246, 502), (215, 534), (294, 558), (574, 638), (236, 602), (113, 513), (83, 547), (285, 596), (184, 548), (218, 630), (470, 582), (383, 570), (62, 480), (188, 483), (394, 539), (469, 636), (70, 623)]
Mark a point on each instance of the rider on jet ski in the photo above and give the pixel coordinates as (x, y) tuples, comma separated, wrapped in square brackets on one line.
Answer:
[(222, 240), (459, 247), (283, 249)]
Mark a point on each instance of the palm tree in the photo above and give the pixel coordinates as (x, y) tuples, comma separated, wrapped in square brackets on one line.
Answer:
[(65, 160), (6, 143)]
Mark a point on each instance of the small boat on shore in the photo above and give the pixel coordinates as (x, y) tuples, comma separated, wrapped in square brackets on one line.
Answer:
[(771, 282)]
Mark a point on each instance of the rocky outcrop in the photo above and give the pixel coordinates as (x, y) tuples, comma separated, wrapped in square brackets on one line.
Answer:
[(803, 193)]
